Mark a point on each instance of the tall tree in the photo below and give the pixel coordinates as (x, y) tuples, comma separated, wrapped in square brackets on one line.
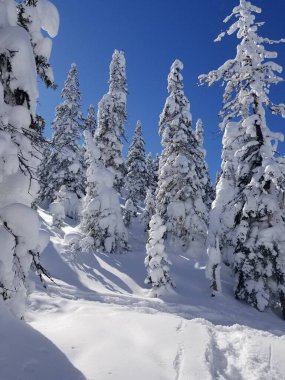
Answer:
[(21, 240), (258, 227), (111, 119), (136, 179), (181, 187), (61, 165), (102, 220)]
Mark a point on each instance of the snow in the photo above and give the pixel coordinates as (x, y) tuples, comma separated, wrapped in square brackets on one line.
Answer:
[(97, 322)]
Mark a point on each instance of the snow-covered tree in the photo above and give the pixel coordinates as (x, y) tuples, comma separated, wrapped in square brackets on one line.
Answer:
[(90, 123), (129, 212), (61, 164), (209, 191), (137, 176), (111, 119), (21, 239), (102, 221), (255, 214), (152, 172), (149, 208), (180, 196), (156, 262), (57, 208)]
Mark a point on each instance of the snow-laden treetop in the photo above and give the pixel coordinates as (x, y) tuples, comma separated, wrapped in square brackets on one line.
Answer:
[(175, 78), (251, 73), (118, 81)]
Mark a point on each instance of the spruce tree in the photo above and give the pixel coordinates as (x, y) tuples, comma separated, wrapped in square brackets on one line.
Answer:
[(111, 119), (21, 239), (258, 227), (136, 179), (181, 187), (156, 262), (62, 164), (102, 221)]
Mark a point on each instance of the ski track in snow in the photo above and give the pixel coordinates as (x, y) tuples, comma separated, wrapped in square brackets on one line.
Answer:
[(174, 338)]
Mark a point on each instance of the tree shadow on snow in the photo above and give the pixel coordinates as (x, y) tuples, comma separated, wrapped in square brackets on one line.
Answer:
[(28, 355)]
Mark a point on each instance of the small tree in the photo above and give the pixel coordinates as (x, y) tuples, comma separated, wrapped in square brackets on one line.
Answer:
[(129, 212), (181, 186), (102, 220), (61, 165), (209, 191), (136, 179), (152, 172), (90, 123), (149, 209), (156, 262), (111, 119)]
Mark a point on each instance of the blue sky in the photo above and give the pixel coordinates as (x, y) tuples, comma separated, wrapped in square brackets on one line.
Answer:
[(152, 34)]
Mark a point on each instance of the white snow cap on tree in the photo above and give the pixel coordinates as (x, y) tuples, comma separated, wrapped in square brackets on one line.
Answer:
[(156, 262), (255, 215), (21, 239), (102, 221), (180, 195), (111, 119)]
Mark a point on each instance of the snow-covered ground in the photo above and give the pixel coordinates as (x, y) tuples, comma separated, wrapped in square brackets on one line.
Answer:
[(97, 322)]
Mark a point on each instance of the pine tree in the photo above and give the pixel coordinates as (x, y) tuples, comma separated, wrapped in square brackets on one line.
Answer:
[(61, 165), (258, 191), (209, 191), (102, 221), (181, 188), (156, 262), (136, 179), (21, 240), (111, 119)]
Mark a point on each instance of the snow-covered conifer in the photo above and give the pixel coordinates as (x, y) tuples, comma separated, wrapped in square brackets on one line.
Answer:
[(136, 179), (21, 239), (111, 119), (149, 209), (129, 212), (57, 208), (152, 171), (90, 123), (209, 191), (156, 262), (102, 220), (181, 187), (61, 165), (255, 212)]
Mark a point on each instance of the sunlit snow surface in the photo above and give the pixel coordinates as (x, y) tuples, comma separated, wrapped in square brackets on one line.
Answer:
[(98, 322)]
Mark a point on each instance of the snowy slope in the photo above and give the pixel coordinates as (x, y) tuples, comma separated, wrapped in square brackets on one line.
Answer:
[(99, 315)]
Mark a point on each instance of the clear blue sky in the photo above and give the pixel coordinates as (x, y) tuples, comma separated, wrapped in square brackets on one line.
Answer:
[(152, 34)]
